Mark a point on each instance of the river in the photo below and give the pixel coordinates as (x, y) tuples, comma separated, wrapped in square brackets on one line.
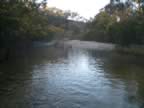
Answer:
[(72, 78)]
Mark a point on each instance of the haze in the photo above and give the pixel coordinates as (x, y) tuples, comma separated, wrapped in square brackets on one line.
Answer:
[(86, 8)]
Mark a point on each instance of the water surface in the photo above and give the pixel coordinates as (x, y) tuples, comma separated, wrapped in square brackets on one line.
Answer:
[(72, 78)]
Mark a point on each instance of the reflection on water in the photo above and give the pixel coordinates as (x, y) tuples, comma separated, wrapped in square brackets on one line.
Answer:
[(72, 78)]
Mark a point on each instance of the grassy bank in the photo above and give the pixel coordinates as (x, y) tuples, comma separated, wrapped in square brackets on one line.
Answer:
[(134, 50)]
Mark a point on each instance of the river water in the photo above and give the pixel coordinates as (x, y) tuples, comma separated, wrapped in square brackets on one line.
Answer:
[(72, 78)]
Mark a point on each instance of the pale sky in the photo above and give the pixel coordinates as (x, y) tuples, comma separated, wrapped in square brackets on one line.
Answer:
[(86, 8)]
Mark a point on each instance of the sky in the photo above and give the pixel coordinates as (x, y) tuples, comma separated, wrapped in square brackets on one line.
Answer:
[(86, 8)]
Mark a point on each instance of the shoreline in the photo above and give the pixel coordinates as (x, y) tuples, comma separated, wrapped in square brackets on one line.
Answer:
[(133, 50), (89, 45)]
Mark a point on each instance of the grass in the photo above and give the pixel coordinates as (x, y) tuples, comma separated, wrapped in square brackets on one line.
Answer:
[(135, 50)]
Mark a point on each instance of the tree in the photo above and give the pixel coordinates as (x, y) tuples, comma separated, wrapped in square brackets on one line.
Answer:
[(100, 26), (119, 22)]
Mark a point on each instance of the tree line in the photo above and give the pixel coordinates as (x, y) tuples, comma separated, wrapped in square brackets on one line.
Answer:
[(31, 20), (25, 21), (120, 22)]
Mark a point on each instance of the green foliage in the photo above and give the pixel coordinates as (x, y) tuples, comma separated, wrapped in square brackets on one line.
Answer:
[(28, 20), (100, 26), (120, 23), (21, 20), (130, 31)]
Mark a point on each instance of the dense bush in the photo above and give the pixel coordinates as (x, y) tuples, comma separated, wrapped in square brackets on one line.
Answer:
[(119, 22)]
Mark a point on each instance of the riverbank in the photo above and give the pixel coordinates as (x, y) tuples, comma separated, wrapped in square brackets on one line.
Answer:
[(89, 45), (134, 50)]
